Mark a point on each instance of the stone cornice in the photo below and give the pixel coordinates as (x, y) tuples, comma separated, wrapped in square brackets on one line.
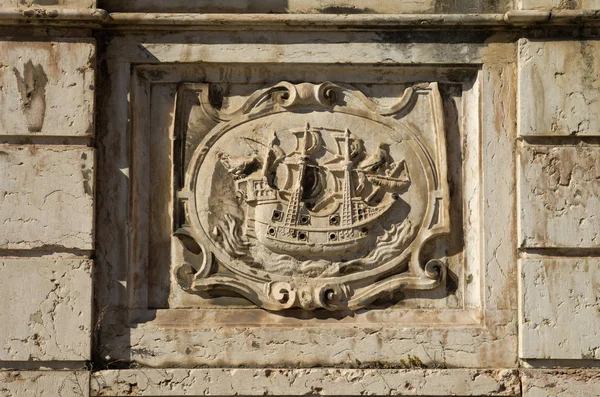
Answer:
[(101, 19), (50, 16)]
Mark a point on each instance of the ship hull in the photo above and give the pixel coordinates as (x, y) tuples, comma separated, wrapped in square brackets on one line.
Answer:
[(317, 238)]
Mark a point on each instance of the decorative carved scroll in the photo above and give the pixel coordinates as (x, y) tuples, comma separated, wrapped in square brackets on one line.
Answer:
[(313, 196)]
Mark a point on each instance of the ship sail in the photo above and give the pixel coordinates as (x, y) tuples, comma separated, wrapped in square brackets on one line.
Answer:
[(284, 219)]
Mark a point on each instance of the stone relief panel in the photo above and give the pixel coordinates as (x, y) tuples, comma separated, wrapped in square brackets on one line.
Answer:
[(217, 153), (313, 196)]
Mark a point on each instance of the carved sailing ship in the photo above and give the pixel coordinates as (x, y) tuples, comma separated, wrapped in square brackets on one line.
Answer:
[(300, 217)]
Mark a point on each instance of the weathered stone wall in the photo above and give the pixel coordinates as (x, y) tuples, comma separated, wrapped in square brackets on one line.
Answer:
[(101, 102), (47, 162)]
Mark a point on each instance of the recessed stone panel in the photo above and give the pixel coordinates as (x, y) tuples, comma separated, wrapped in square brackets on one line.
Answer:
[(559, 196), (46, 311), (559, 88), (46, 197), (560, 316), (47, 87), (216, 153)]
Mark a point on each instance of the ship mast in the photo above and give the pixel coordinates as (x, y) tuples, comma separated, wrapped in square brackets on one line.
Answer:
[(291, 213), (346, 215)]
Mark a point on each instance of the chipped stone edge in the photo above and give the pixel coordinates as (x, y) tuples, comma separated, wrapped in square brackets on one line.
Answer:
[(357, 21), (314, 381), (317, 381), (582, 382), (101, 19), (29, 15), (63, 383)]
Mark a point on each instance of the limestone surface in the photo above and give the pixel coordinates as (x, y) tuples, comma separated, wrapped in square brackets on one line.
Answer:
[(47, 87), (260, 161), (46, 197), (46, 311), (255, 340), (44, 383), (277, 382), (547, 383), (560, 308), (559, 196), (559, 88)]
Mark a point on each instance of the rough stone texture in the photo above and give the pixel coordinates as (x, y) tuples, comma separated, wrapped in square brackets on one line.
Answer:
[(46, 197), (311, 47), (47, 88), (559, 196), (499, 212), (546, 383), (558, 4), (44, 383), (560, 308), (233, 338), (48, 3), (559, 87), (298, 382), (46, 309)]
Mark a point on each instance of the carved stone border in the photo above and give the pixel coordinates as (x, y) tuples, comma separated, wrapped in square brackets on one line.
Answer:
[(355, 291)]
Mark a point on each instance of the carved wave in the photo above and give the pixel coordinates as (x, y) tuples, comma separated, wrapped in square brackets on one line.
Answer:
[(228, 233), (387, 246)]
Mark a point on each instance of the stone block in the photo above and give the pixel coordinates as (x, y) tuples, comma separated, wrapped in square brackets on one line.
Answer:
[(48, 3), (559, 88), (559, 196), (44, 383), (47, 88), (560, 308), (547, 383), (46, 197), (301, 382), (46, 309)]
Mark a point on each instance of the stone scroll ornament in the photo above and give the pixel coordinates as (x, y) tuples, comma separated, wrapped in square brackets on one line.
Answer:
[(313, 196)]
